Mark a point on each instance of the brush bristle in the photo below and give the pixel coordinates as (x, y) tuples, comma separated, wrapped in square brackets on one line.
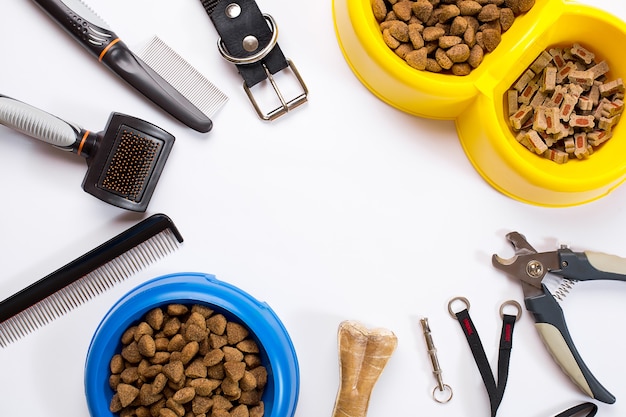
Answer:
[(130, 164), (201, 92), (89, 286)]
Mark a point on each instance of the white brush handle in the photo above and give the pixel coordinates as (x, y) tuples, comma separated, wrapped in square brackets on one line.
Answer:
[(36, 123)]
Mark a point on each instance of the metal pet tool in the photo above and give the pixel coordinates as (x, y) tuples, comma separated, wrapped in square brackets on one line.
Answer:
[(531, 268), (87, 276), (124, 161), (95, 35), (441, 388)]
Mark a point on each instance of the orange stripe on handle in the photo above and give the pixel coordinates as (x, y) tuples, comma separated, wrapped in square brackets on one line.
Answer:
[(82, 142), (105, 50)]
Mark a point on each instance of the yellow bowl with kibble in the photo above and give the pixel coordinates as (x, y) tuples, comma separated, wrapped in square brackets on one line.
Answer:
[(189, 344), (478, 101)]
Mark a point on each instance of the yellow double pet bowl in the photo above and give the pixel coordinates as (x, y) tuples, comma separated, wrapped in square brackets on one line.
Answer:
[(476, 101)]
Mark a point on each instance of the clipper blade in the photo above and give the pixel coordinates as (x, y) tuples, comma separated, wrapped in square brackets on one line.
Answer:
[(128, 161)]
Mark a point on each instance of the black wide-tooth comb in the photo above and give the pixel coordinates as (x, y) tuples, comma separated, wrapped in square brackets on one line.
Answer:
[(124, 161), (87, 276)]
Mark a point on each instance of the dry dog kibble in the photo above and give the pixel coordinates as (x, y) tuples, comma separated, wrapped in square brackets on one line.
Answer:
[(449, 36), (563, 106), (187, 361)]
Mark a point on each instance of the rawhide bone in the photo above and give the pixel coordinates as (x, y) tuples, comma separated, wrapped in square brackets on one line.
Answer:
[(363, 354)]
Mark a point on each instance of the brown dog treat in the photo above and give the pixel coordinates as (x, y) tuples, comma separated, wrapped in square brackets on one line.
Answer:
[(260, 374), (141, 329), (166, 412), (129, 375), (399, 30), (131, 353), (127, 394), (217, 324), (204, 386), (147, 397), (458, 53), (240, 411), (234, 370), (146, 346), (432, 33), (476, 56), (201, 405), (171, 327), (174, 371), (221, 403), (250, 398), (458, 26), (432, 65), (380, 9), (422, 9), (417, 58), (215, 371), (469, 7), (177, 309), (402, 9), (189, 351), (415, 35), (116, 365), (257, 411), (489, 13), (506, 19), (491, 39), (447, 12), (461, 68), (196, 369), (247, 381), (232, 354), (363, 354), (443, 59), (159, 383), (177, 343), (213, 357)]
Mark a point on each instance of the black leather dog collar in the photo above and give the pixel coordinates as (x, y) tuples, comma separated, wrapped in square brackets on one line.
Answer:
[(248, 39)]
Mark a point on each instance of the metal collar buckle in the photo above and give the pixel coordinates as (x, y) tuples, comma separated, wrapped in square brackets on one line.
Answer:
[(286, 105)]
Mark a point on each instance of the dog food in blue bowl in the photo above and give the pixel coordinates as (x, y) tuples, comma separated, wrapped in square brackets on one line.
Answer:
[(186, 378)]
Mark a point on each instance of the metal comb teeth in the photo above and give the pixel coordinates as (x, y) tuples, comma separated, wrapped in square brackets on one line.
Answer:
[(86, 277), (131, 164)]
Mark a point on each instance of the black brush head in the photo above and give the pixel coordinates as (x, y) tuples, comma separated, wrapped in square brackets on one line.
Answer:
[(127, 161)]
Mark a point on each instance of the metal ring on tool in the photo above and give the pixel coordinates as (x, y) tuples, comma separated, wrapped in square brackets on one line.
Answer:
[(444, 400), (259, 55), (514, 304), (461, 299)]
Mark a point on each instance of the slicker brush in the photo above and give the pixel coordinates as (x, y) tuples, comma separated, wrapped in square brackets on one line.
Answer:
[(124, 161)]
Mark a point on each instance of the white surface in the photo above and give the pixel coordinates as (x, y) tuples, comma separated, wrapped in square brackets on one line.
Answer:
[(345, 209)]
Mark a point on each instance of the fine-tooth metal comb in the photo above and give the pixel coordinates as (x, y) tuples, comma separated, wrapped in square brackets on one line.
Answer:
[(87, 276), (183, 76)]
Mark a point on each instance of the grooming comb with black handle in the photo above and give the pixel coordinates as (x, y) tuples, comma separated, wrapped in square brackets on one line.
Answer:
[(87, 276), (124, 161)]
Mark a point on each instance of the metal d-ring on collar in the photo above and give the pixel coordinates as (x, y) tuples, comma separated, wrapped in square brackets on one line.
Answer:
[(241, 27), (252, 59)]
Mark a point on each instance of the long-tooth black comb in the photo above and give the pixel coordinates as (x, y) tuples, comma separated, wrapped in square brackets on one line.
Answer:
[(87, 276), (124, 161)]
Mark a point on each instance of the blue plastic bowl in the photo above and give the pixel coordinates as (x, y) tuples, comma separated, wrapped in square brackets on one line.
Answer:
[(280, 396)]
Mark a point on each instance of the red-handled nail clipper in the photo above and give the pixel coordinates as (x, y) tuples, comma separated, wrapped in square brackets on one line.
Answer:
[(530, 267)]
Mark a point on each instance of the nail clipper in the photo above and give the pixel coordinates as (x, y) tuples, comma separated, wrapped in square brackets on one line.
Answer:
[(530, 267)]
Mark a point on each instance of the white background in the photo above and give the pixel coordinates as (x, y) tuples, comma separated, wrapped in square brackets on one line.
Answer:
[(344, 209)]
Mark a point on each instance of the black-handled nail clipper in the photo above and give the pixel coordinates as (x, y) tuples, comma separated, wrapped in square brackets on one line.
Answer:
[(95, 35), (124, 161), (530, 268)]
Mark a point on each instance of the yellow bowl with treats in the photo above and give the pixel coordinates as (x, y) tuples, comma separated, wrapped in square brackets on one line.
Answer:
[(477, 102)]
